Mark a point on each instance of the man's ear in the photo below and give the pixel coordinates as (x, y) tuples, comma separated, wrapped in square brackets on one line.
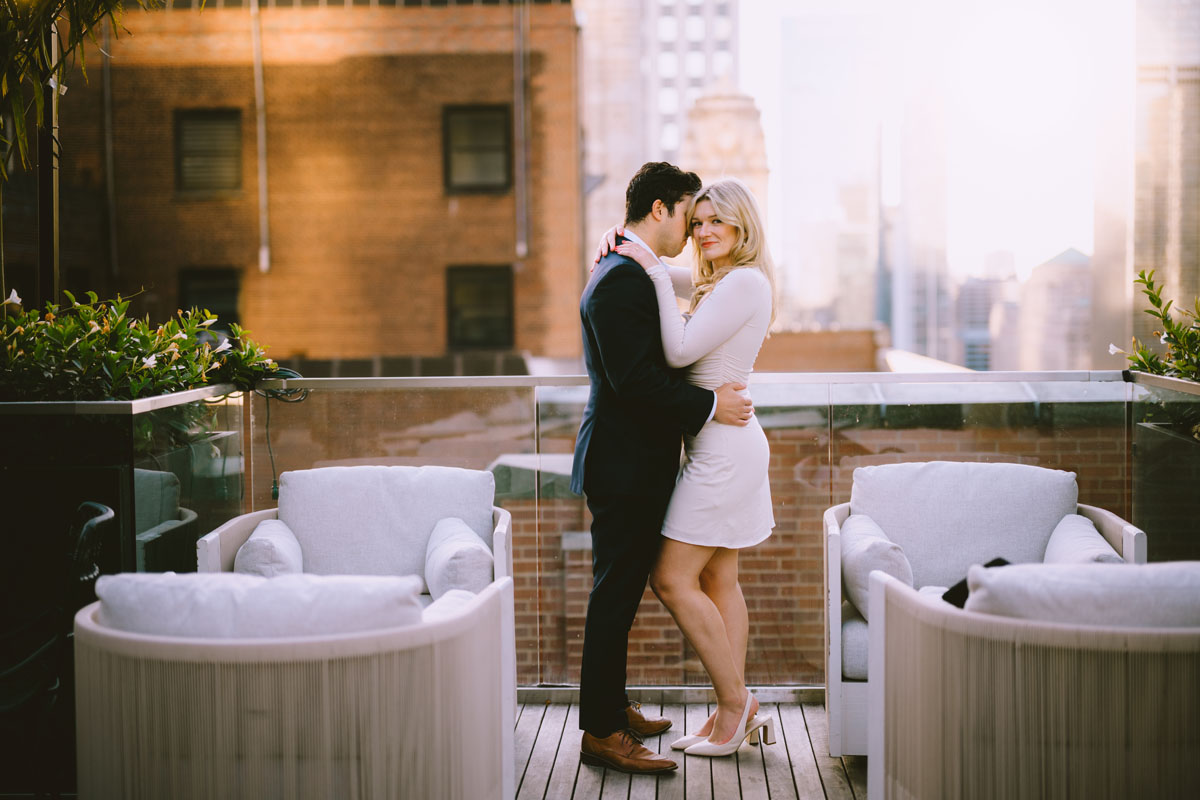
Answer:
[(659, 210)]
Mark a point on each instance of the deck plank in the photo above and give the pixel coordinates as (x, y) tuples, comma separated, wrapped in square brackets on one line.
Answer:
[(856, 770), (780, 783), (833, 774), (616, 785), (671, 787), (541, 758), (645, 787), (566, 762), (526, 733), (797, 767), (806, 776), (588, 783), (698, 783), (751, 775)]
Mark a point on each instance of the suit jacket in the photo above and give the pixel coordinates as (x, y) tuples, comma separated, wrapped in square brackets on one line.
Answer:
[(638, 408)]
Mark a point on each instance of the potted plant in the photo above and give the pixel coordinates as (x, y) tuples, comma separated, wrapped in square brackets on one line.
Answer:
[(1166, 434), (96, 405), (86, 389)]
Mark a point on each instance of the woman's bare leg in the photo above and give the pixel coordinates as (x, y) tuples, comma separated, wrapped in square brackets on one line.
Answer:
[(719, 580), (676, 581)]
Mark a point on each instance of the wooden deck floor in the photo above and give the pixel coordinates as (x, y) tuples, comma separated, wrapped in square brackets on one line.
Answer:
[(798, 766)]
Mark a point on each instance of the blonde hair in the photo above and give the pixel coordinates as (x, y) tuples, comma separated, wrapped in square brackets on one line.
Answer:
[(734, 205)]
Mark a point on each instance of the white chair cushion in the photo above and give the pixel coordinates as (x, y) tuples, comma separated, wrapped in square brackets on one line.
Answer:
[(865, 547), (456, 559), (855, 639), (451, 604), (372, 520), (272, 550), (226, 605), (1165, 595), (948, 515), (1075, 540)]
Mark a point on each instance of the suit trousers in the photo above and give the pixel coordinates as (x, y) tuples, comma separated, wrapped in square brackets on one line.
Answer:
[(626, 538)]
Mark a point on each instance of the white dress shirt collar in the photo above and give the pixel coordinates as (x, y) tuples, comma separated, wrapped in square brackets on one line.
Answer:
[(634, 237)]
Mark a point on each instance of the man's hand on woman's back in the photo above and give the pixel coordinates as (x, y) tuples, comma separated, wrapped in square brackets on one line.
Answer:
[(733, 408)]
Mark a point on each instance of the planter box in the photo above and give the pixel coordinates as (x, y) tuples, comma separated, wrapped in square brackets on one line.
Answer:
[(166, 465), (1166, 491)]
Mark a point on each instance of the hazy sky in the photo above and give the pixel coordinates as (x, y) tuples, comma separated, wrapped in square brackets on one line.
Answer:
[(1022, 84)]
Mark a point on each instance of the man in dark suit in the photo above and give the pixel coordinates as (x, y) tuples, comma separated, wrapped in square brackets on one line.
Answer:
[(627, 459)]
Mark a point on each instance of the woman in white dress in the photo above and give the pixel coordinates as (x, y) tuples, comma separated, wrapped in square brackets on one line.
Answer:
[(722, 501)]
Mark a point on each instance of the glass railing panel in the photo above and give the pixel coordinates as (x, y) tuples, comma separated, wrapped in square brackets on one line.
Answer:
[(1074, 425), (1165, 418), (188, 478), (366, 421)]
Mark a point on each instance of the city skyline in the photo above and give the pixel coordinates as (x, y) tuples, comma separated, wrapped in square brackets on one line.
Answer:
[(1026, 84)]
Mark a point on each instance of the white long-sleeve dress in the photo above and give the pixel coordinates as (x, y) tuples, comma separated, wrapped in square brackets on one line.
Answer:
[(723, 497)]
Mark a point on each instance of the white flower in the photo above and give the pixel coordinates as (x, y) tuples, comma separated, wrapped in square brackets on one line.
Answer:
[(1113, 350), (208, 322), (180, 335), (149, 362), (94, 327), (1163, 339), (225, 345), (12, 298)]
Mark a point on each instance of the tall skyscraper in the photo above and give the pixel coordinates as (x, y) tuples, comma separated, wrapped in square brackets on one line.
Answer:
[(973, 309), (832, 59), (1166, 212), (1055, 314), (645, 63), (692, 48)]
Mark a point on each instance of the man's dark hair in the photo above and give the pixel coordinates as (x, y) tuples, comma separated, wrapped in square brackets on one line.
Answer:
[(657, 180)]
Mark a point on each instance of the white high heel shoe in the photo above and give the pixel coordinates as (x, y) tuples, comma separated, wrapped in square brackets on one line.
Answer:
[(685, 742), (749, 730)]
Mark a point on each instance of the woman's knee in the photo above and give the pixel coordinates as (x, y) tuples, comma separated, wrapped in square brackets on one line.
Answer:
[(669, 585), (715, 581)]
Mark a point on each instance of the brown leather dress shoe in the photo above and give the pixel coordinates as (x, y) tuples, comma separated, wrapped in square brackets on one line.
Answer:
[(640, 725), (622, 752)]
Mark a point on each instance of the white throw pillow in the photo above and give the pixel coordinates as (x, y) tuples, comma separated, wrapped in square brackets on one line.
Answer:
[(451, 604), (272, 550), (1076, 541), (865, 547), (456, 559), (1165, 595), (226, 605)]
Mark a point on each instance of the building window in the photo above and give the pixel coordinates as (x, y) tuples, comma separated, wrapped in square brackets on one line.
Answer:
[(214, 289), (668, 100), (208, 150), (669, 139), (478, 148), (668, 29), (668, 64), (479, 307), (722, 63)]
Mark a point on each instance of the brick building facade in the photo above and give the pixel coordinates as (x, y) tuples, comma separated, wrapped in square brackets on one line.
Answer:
[(418, 204)]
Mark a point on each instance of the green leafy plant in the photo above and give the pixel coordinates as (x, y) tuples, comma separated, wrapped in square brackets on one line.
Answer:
[(1181, 336), (96, 351)]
